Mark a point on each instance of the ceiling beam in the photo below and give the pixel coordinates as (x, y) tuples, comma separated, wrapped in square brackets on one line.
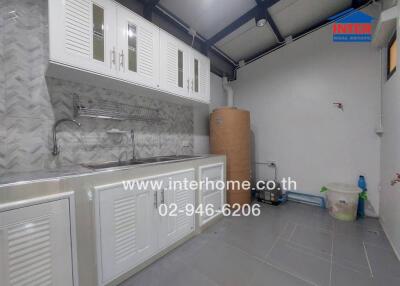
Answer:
[(360, 4), (148, 7), (249, 15), (233, 26), (357, 3), (274, 27), (263, 6)]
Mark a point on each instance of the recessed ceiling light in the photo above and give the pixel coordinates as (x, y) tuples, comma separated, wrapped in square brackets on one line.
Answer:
[(261, 18), (261, 22)]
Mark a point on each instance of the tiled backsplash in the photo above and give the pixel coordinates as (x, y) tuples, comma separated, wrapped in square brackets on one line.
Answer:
[(30, 103)]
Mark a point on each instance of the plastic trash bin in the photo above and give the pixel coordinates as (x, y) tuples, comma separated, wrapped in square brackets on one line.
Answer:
[(343, 201)]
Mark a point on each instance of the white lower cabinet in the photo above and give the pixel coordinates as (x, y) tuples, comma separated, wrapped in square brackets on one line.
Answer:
[(130, 229), (177, 224), (37, 245), (211, 193), (127, 235)]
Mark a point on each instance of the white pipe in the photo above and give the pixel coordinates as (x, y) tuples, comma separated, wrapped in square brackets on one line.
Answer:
[(228, 90)]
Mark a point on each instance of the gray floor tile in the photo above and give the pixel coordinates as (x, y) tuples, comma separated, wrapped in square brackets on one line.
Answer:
[(315, 239), (343, 276), (267, 275), (226, 265), (284, 246), (191, 248), (377, 238), (384, 263), (254, 240), (167, 272), (368, 230), (308, 216), (386, 281), (288, 231), (349, 251), (300, 263)]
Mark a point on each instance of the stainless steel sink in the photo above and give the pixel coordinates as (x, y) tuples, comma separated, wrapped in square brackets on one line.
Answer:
[(159, 159), (112, 164), (184, 157)]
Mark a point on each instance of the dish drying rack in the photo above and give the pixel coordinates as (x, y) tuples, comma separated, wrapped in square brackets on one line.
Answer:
[(104, 109)]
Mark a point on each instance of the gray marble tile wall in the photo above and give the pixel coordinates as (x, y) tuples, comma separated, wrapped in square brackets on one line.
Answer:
[(30, 103)]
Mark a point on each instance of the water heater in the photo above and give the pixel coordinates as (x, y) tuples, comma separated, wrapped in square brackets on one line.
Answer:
[(230, 136)]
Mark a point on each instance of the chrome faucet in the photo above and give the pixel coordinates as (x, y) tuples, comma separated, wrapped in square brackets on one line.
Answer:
[(56, 148)]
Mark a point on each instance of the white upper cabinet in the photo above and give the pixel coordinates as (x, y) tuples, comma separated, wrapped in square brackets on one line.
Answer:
[(138, 49), (174, 58), (104, 38), (82, 34), (199, 76)]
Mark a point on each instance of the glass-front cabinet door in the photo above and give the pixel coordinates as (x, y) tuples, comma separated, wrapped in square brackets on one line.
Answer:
[(82, 34), (138, 49), (199, 76), (174, 76)]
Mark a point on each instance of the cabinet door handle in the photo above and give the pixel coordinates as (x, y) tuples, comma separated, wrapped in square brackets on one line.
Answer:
[(192, 86), (122, 60), (188, 85), (163, 196), (156, 200), (112, 62)]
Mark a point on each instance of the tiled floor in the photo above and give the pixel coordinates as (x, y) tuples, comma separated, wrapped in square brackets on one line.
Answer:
[(293, 244)]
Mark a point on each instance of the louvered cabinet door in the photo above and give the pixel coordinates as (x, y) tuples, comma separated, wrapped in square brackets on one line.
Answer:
[(35, 245), (126, 229), (138, 49), (83, 34), (174, 75), (199, 77), (177, 224), (210, 194)]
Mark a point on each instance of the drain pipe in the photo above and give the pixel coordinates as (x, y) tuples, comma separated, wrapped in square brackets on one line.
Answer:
[(228, 90)]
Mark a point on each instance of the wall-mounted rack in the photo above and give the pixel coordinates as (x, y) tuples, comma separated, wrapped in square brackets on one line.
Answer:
[(104, 109)]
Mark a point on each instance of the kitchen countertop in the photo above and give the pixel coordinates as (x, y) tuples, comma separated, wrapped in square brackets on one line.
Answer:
[(74, 171)]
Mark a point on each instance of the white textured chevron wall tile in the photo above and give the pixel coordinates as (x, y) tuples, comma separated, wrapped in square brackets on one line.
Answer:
[(30, 103), (3, 146)]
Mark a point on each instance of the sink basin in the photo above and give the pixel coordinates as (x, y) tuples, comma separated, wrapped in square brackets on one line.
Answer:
[(182, 157), (159, 159), (112, 164), (169, 158)]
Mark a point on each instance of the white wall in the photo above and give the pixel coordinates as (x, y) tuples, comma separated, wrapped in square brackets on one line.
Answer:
[(390, 158), (290, 94), (201, 116)]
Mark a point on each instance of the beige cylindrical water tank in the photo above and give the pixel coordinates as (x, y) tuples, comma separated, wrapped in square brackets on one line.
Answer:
[(230, 136)]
